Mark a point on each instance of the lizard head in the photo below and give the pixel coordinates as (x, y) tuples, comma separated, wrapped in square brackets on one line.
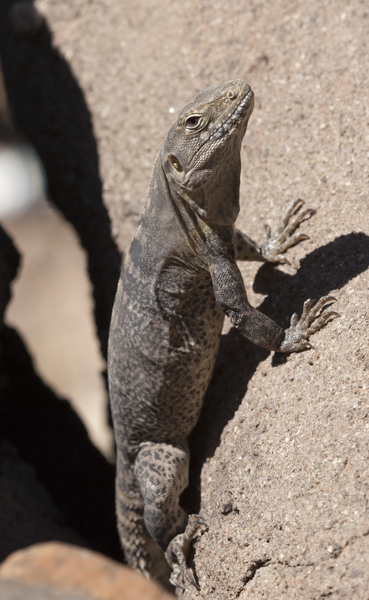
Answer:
[(201, 153)]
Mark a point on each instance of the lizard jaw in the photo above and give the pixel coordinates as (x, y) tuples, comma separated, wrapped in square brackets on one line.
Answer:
[(235, 118)]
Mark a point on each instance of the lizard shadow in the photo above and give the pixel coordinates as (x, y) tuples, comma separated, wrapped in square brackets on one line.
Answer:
[(325, 269)]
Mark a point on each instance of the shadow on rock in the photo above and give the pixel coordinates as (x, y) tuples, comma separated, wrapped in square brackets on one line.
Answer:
[(49, 106), (50, 436), (9, 263), (325, 269)]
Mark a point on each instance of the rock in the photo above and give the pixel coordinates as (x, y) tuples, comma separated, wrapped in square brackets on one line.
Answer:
[(287, 439), (15, 590), (79, 570)]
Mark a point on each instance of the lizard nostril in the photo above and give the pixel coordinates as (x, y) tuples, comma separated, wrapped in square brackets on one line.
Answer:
[(232, 95)]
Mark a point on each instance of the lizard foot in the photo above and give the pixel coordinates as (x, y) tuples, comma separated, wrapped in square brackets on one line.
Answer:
[(296, 337), (274, 245), (177, 550)]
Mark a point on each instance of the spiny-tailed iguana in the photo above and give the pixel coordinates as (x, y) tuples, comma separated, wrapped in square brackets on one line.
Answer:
[(179, 280)]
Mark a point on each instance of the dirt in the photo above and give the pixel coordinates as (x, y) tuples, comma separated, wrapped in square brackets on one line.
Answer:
[(280, 470)]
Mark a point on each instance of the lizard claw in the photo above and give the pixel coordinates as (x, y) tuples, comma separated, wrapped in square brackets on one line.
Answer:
[(281, 259), (285, 237), (267, 232), (175, 553), (200, 520), (177, 561), (308, 346), (176, 578), (311, 320)]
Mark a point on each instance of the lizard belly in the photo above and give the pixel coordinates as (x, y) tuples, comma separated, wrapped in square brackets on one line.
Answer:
[(165, 355)]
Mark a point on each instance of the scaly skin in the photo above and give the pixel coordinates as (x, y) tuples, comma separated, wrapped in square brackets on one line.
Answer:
[(179, 280)]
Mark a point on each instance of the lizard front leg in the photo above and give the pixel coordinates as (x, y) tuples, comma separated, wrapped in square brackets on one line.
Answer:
[(230, 294), (273, 246)]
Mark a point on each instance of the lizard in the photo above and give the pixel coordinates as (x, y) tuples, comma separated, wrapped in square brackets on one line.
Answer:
[(179, 280)]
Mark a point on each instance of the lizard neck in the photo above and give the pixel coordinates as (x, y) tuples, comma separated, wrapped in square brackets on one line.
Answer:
[(172, 214), (210, 189), (166, 214)]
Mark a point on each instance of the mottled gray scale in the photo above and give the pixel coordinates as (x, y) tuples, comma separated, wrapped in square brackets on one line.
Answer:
[(179, 279)]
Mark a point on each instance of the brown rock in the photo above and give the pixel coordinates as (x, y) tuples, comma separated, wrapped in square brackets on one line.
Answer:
[(79, 570), (16, 590), (285, 444)]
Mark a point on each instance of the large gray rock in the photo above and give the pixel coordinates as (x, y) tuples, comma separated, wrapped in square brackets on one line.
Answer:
[(15, 590), (282, 447)]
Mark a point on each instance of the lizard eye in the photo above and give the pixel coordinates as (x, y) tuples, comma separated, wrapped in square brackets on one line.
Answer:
[(193, 121)]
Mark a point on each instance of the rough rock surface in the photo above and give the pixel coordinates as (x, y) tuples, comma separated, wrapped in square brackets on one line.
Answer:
[(281, 452), (80, 571), (15, 590)]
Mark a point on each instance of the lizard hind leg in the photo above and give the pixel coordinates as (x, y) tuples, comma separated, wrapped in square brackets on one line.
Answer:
[(162, 473), (140, 550)]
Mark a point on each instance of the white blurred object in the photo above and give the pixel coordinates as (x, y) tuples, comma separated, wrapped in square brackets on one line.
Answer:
[(21, 179)]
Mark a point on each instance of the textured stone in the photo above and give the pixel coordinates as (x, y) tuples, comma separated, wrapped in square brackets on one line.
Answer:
[(15, 590), (284, 443), (79, 570)]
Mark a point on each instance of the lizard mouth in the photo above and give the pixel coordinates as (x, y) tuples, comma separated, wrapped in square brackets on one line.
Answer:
[(234, 119)]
